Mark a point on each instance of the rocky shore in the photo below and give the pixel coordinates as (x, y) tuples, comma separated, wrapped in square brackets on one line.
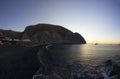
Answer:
[(19, 50), (109, 70)]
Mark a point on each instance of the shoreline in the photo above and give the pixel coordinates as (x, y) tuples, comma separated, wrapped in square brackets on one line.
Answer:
[(18, 62), (22, 62)]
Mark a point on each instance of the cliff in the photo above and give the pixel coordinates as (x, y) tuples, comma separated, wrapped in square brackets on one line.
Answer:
[(9, 33), (41, 34)]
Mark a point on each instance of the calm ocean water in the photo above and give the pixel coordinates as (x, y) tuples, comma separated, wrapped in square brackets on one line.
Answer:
[(85, 54), (85, 61)]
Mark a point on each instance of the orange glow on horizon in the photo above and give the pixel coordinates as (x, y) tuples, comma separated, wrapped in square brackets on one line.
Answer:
[(102, 42)]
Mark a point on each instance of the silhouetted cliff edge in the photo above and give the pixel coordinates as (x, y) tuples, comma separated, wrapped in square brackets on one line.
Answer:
[(41, 34)]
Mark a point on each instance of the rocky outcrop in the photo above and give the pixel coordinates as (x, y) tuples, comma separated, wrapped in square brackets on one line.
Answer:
[(41, 34), (9, 33)]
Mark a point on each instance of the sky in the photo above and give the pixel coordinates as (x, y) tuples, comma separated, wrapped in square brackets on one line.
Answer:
[(96, 20)]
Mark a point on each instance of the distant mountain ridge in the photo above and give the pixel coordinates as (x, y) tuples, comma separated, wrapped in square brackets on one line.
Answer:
[(9, 33), (41, 34)]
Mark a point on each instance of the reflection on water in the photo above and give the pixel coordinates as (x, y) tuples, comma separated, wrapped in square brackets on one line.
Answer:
[(87, 54), (78, 62)]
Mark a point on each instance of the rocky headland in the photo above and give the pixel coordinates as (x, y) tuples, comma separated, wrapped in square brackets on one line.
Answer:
[(21, 61), (51, 34), (35, 62), (42, 34)]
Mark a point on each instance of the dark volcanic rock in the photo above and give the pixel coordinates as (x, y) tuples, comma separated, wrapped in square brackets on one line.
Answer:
[(42, 34), (51, 34), (9, 33)]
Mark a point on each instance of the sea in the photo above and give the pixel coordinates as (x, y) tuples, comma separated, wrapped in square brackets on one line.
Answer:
[(80, 61), (89, 55)]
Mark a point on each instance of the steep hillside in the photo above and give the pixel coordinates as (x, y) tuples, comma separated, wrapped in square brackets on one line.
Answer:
[(48, 34), (9, 33)]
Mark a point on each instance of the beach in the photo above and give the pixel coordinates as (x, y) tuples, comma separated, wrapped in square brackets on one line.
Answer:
[(18, 62)]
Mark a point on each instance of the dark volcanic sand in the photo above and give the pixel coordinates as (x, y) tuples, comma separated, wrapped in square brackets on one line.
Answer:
[(18, 62)]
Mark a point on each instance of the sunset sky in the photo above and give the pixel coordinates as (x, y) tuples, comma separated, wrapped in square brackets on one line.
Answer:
[(96, 20)]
